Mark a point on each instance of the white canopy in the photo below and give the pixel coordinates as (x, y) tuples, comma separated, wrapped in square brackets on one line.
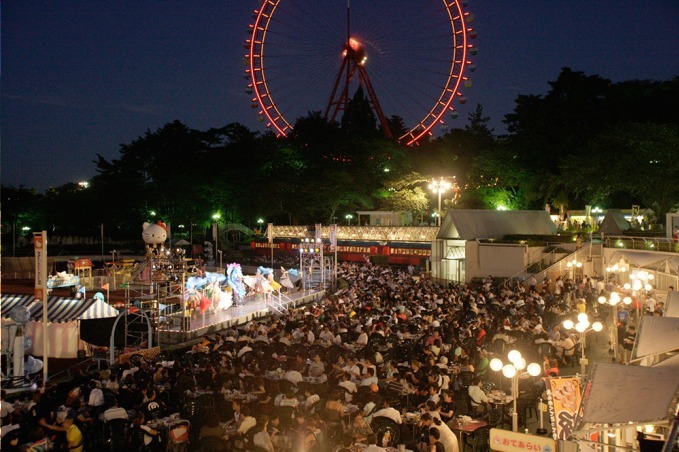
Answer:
[(656, 335), (672, 304), (626, 395), (669, 362), (640, 258)]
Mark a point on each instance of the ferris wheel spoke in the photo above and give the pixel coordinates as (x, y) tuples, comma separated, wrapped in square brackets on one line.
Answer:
[(295, 53)]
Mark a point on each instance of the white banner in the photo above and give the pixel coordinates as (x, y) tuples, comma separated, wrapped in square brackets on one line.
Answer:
[(333, 237), (507, 441), (40, 250)]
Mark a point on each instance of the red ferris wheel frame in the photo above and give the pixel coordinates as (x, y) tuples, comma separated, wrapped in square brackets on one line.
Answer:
[(270, 112)]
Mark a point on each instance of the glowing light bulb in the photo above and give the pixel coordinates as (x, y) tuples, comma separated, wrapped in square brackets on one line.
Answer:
[(495, 364), (520, 364), (514, 356), (568, 324), (509, 371), (534, 369)]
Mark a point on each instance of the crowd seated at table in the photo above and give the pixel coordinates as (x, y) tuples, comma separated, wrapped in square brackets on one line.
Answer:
[(392, 359)]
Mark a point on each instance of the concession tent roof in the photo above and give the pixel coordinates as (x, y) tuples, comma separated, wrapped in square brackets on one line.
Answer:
[(478, 224), (622, 395), (640, 258), (9, 301), (614, 223), (672, 304), (60, 309), (669, 362), (656, 335)]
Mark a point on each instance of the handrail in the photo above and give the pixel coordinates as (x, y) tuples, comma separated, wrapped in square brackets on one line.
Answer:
[(641, 243), (280, 303), (551, 253), (586, 250), (68, 371)]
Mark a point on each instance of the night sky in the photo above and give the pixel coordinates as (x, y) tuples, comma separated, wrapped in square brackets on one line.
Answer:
[(82, 77)]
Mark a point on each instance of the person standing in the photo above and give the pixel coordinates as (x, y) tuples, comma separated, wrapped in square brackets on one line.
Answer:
[(628, 342)]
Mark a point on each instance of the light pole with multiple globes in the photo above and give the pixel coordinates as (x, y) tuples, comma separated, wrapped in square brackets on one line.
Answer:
[(583, 327), (573, 265), (512, 371), (439, 186), (613, 300)]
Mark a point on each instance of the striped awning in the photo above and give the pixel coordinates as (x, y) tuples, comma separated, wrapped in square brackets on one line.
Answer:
[(9, 301), (61, 309), (99, 310)]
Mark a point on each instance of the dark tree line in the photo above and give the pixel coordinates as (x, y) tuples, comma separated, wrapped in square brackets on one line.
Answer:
[(586, 141)]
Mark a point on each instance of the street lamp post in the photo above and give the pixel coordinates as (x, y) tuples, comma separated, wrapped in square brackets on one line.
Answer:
[(572, 265), (640, 284), (439, 186), (583, 327), (512, 371), (348, 217), (612, 301)]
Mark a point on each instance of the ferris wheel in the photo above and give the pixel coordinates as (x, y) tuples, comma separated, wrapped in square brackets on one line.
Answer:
[(409, 57)]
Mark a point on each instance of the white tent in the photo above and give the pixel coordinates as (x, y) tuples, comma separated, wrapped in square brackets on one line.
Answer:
[(619, 395), (641, 259), (669, 362), (614, 223), (672, 304), (63, 328), (656, 335)]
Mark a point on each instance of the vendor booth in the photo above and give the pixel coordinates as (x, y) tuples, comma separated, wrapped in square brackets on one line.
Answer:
[(620, 400), (64, 320)]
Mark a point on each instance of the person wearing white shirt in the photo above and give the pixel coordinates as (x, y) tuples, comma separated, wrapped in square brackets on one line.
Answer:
[(326, 335), (478, 397), (362, 338), (96, 398), (372, 445), (129, 370), (289, 400), (310, 399), (293, 376), (352, 369), (247, 421), (370, 378), (448, 438), (316, 368), (388, 412), (349, 386), (115, 412)]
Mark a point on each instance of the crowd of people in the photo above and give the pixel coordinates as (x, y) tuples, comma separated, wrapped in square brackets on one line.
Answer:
[(392, 359)]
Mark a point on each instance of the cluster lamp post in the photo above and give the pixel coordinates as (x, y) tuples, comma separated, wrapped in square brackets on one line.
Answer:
[(583, 327), (512, 371), (439, 186)]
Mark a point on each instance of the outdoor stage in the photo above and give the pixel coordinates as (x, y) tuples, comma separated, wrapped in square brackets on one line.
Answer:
[(253, 307)]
